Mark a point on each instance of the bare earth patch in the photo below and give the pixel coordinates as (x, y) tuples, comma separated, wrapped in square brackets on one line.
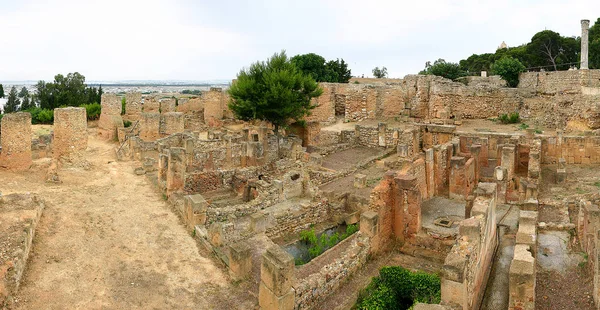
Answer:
[(108, 240)]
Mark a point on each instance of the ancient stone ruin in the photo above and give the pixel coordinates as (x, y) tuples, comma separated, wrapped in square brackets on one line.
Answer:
[(410, 172)]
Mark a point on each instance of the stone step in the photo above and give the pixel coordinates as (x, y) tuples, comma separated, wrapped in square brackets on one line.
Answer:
[(424, 253)]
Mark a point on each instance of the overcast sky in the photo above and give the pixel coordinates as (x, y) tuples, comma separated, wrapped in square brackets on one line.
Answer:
[(201, 40)]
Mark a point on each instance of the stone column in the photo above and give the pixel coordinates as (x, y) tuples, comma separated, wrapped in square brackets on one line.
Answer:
[(133, 106), (508, 161), (16, 141), (429, 172), (240, 260), (70, 134), (382, 128), (585, 27), (407, 206), (175, 170), (276, 280), (458, 180), (195, 207), (475, 151)]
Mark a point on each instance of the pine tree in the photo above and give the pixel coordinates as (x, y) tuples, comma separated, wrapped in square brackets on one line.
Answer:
[(1, 91), (12, 105)]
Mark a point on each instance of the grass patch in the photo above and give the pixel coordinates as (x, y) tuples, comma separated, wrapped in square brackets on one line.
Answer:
[(511, 118), (321, 243)]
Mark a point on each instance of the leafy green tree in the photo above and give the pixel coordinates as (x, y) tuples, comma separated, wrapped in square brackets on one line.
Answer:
[(445, 69), (313, 65), (66, 91), (13, 103), (339, 70), (26, 104), (1, 91), (380, 73), (508, 68), (549, 50), (594, 46), (275, 91), (23, 92)]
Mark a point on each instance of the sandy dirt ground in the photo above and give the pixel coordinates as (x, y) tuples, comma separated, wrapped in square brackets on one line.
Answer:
[(108, 240)]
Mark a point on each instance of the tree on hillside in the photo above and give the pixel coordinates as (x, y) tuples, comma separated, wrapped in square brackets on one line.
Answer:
[(548, 49), (12, 105), (340, 71), (275, 91), (1, 91), (314, 65), (508, 68), (69, 90), (380, 73), (445, 69)]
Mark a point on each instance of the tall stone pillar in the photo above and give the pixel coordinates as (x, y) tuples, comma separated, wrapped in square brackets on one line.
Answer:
[(16, 141), (70, 134), (585, 27), (175, 170)]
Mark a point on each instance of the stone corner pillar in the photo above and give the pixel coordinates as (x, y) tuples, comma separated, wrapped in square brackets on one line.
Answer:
[(277, 276)]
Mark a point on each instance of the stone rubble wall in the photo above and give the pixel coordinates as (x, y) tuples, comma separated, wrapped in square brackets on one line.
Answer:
[(522, 270), (588, 232), (133, 106), (300, 218)]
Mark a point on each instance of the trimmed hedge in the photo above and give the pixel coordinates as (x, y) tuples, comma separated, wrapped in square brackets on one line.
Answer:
[(92, 110), (399, 288)]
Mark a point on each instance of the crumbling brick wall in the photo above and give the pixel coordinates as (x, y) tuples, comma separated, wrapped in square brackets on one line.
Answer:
[(15, 140), (214, 103), (70, 134), (168, 105)]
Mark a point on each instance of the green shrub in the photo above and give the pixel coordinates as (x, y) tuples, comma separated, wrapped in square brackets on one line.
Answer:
[(123, 106), (41, 116), (92, 110), (320, 244), (511, 118), (398, 288), (127, 124)]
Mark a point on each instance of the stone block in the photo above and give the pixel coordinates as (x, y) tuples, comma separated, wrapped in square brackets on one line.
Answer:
[(402, 150), (195, 207), (268, 300), (406, 181), (368, 223), (240, 260), (360, 181), (258, 222), (277, 270), (561, 176)]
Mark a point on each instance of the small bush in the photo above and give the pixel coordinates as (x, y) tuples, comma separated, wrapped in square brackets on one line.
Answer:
[(127, 124), (511, 118), (41, 116), (92, 110), (398, 288), (123, 101)]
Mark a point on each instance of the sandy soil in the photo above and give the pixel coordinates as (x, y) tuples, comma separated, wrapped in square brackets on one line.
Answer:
[(108, 240)]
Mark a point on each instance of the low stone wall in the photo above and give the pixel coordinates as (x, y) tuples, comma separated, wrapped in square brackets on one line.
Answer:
[(299, 218), (19, 215), (333, 268)]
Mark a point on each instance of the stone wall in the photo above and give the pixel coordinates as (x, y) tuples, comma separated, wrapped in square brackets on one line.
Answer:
[(70, 134), (543, 98), (334, 267), (214, 104), (397, 202), (15, 139), (301, 218), (151, 105), (150, 126), (467, 266), (553, 82), (588, 232), (168, 105), (133, 106)]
